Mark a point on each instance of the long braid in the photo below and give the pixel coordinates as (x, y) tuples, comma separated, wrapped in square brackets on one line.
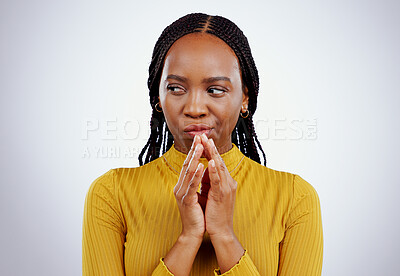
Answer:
[(243, 135)]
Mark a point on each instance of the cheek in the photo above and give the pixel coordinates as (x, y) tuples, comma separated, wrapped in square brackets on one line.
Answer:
[(171, 109), (234, 114), (228, 118), (171, 106)]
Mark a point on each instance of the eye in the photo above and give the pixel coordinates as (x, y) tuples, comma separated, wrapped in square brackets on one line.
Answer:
[(216, 91), (175, 90)]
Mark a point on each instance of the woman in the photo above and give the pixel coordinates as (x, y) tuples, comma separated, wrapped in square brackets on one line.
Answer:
[(246, 219)]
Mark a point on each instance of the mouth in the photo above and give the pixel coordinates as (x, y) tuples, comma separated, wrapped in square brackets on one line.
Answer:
[(197, 129)]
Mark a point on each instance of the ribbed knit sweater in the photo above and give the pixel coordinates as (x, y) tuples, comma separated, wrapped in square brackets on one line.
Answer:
[(131, 221)]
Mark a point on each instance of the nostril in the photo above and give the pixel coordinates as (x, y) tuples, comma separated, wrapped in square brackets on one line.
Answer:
[(194, 116)]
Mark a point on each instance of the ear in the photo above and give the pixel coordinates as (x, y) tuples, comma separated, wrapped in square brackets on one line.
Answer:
[(245, 99)]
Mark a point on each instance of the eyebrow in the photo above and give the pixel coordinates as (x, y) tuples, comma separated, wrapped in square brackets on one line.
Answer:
[(207, 80), (213, 79), (176, 77)]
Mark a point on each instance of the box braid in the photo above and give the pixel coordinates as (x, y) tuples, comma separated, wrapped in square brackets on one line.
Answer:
[(244, 135)]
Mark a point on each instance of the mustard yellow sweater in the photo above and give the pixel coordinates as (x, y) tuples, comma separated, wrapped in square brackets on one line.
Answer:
[(131, 221)]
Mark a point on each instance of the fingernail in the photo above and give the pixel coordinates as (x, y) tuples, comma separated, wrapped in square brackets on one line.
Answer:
[(212, 142), (212, 163), (204, 135)]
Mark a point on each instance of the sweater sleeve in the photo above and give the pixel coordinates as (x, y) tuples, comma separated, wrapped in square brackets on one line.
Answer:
[(301, 248), (245, 266), (103, 229), (161, 270)]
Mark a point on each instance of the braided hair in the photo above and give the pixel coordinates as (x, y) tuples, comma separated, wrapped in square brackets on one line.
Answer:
[(243, 135)]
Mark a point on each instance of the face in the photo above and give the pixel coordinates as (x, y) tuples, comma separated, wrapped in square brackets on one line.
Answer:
[(201, 91)]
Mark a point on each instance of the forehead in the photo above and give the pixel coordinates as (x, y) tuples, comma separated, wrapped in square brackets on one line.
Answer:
[(202, 52)]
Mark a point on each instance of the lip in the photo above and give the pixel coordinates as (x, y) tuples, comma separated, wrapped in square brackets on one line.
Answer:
[(197, 129)]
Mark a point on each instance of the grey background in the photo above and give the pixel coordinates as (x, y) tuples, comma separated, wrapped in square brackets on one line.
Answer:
[(73, 83)]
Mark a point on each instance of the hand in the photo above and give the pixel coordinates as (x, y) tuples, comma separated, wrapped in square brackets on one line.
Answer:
[(221, 194), (219, 208), (185, 191)]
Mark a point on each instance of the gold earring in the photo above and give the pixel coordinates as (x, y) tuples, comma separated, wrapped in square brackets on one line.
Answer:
[(246, 112), (155, 107)]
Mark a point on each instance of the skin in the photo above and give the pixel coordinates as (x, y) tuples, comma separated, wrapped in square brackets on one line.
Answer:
[(189, 95), (201, 83)]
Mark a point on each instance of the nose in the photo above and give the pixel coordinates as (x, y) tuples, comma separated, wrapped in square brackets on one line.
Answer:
[(196, 104)]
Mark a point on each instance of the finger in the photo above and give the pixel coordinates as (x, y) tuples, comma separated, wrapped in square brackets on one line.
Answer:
[(194, 182), (215, 180), (196, 141), (184, 169), (186, 163), (207, 147), (219, 162), (187, 175), (220, 166)]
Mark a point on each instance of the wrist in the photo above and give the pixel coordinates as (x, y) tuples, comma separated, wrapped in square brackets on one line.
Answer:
[(228, 250), (190, 239), (225, 237), (180, 258)]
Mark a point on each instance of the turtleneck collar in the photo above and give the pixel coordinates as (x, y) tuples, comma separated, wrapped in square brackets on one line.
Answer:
[(174, 159)]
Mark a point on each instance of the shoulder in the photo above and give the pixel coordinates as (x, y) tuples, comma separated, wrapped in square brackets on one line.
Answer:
[(302, 188), (118, 179), (294, 186), (296, 196), (104, 189), (305, 199), (266, 175), (146, 171), (103, 184)]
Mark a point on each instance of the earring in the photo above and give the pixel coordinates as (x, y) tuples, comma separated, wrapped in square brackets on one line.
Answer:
[(246, 112), (155, 107)]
